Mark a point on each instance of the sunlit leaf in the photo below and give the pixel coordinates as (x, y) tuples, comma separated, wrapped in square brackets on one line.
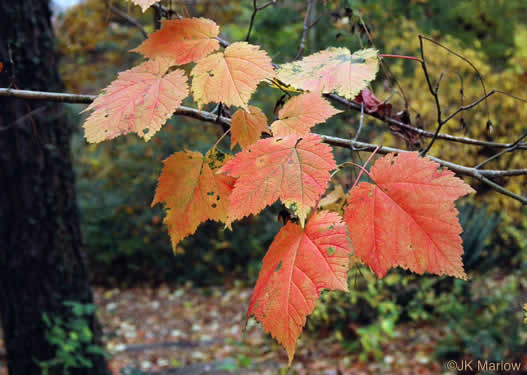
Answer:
[(231, 76), (247, 127), (334, 70), (301, 113), (140, 100), (292, 169), (182, 41), (299, 264), (408, 217), (192, 192)]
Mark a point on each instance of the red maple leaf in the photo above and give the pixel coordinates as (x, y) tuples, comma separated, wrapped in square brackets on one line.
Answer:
[(372, 104), (408, 217), (294, 169), (299, 264)]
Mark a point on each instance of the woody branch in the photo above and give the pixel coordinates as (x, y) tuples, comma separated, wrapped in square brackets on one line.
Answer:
[(483, 175)]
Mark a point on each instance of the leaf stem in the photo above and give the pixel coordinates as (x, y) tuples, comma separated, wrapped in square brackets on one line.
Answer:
[(219, 140), (401, 57), (362, 169)]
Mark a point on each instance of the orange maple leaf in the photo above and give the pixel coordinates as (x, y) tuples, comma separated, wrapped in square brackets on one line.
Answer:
[(299, 264), (192, 193), (334, 70), (294, 169), (301, 113), (230, 77), (408, 218), (145, 4), (140, 100), (182, 41), (247, 127)]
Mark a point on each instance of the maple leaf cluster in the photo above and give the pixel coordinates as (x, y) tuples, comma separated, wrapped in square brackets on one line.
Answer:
[(405, 218)]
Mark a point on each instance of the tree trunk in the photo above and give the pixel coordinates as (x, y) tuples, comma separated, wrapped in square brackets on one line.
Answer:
[(41, 263)]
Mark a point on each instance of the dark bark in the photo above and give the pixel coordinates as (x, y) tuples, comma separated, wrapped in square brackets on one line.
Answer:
[(41, 262)]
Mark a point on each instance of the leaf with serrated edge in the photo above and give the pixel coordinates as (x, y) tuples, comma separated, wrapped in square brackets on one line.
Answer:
[(140, 100), (408, 218), (192, 193), (231, 76), (301, 113), (247, 127), (334, 70), (299, 264), (145, 4), (182, 41), (292, 169)]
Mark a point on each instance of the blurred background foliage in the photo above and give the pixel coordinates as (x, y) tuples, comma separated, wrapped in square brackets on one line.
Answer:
[(127, 243)]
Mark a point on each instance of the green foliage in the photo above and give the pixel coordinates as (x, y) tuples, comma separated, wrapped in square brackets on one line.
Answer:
[(365, 318), (486, 324), (72, 339), (478, 228)]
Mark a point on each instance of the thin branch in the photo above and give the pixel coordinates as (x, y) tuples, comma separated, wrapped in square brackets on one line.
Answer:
[(499, 188), (513, 147), (256, 9), (389, 120), (481, 175), (434, 92), (131, 20), (49, 96), (306, 29), (468, 106), (87, 99), (480, 77)]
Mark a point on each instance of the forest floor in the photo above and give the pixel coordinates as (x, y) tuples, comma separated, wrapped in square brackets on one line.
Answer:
[(201, 331)]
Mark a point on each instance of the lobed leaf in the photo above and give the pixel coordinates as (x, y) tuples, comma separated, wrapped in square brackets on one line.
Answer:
[(230, 77), (301, 113), (408, 218), (192, 192), (294, 169), (182, 41), (247, 127), (140, 100), (334, 70), (299, 264)]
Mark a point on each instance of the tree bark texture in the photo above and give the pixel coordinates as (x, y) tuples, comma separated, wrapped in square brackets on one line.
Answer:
[(41, 262)]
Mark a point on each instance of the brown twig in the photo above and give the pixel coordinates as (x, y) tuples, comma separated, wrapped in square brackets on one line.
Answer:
[(131, 20), (256, 9), (307, 26), (512, 147), (389, 120), (434, 92)]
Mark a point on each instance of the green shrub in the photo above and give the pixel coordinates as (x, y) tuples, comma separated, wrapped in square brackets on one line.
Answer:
[(72, 339)]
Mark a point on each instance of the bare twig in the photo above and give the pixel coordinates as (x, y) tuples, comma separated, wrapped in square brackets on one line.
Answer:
[(389, 120), (434, 92), (307, 26), (256, 9), (48, 96), (483, 175), (131, 20), (512, 147)]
